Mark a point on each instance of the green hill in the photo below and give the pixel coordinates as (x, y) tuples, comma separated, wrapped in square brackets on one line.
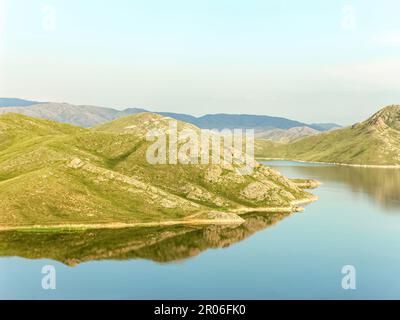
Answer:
[(58, 175), (375, 141)]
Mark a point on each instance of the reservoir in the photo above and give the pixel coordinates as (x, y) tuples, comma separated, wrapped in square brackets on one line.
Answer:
[(356, 222)]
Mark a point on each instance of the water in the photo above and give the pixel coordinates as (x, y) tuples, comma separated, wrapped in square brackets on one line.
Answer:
[(355, 222)]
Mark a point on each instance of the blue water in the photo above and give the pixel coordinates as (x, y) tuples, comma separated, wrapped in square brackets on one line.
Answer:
[(355, 222)]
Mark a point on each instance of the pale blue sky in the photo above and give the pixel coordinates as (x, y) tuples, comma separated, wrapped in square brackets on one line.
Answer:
[(308, 60)]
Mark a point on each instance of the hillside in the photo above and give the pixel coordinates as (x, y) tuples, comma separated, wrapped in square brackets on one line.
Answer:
[(58, 175), (375, 141)]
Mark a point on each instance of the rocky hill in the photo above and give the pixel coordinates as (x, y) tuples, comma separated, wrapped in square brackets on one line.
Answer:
[(375, 141), (58, 175)]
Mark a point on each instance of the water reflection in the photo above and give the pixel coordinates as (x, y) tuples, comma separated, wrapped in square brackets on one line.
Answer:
[(380, 184), (162, 245)]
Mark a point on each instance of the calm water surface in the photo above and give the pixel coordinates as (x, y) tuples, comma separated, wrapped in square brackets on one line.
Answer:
[(355, 222)]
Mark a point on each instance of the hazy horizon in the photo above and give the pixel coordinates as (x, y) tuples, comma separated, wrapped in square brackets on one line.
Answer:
[(310, 62), (149, 109)]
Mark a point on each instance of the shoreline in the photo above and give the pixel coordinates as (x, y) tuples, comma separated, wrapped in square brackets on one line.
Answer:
[(118, 225), (333, 163), (194, 222)]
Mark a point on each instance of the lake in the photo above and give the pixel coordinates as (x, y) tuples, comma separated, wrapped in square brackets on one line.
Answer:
[(356, 221)]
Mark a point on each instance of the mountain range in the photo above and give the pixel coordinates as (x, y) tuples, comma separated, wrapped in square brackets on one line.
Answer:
[(246, 121), (89, 116), (56, 175), (373, 142), (82, 116)]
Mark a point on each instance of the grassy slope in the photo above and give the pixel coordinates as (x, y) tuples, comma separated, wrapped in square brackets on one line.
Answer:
[(228, 185), (52, 174), (373, 142)]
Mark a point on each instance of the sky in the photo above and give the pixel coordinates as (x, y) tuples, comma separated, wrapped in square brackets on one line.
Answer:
[(311, 60)]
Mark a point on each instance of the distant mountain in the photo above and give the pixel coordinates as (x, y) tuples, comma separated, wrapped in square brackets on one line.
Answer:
[(375, 141), (286, 136), (83, 116), (89, 116), (266, 127), (181, 117), (14, 102), (237, 121), (325, 126)]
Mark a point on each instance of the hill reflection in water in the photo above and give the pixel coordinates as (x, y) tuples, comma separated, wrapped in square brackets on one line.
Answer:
[(382, 185), (161, 245)]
